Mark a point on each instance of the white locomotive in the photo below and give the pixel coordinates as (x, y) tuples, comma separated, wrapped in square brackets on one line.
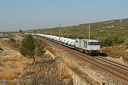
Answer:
[(87, 46)]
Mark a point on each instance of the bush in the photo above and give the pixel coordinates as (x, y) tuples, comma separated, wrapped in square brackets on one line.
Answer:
[(125, 43), (106, 42), (127, 46), (116, 39), (111, 40)]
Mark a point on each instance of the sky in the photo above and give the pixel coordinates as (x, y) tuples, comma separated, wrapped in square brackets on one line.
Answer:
[(40, 14)]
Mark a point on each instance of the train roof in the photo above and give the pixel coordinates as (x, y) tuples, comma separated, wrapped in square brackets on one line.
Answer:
[(89, 40)]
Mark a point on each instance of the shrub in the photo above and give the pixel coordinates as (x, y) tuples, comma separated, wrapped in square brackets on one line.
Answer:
[(125, 43), (111, 40)]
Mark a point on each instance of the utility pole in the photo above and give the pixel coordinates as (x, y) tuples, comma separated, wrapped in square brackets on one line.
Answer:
[(62, 32), (89, 31), (59, 36), (45, 30), (59, 31), (51, 32)]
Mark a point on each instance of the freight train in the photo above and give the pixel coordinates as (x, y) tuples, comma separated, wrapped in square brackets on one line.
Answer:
[(88, 46)]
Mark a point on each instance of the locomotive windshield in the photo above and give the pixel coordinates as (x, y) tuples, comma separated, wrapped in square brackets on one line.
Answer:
[(93, 43)]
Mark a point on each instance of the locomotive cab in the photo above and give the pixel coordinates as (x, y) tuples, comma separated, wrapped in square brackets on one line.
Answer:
[(93, 46), (87, 46)]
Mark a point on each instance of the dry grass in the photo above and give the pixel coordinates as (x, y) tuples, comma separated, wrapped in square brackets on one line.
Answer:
[(69, 62), (5, 42), (11, 63), (45, 70), (48, 72), (116, 52), (13, 66)]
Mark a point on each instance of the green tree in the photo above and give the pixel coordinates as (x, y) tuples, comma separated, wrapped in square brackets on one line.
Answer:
[(39, 49), (20, 31), (31, 47)]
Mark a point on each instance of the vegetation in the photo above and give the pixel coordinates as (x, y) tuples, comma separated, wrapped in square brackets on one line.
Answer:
[(10, 36), (39, 49), (20, 31), (50, 72), (111, 40), (107, 32), (117, 52), (31, 47)]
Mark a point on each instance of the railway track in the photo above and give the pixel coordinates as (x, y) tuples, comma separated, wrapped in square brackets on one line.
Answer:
[(111, 67), (113, 63)]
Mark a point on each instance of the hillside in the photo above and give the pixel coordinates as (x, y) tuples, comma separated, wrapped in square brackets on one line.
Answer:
[(99, 30)]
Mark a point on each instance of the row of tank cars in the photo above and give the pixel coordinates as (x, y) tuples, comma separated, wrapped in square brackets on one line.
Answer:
[(88, 46)]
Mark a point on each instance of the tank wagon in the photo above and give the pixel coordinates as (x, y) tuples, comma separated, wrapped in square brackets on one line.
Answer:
[(88, 46)]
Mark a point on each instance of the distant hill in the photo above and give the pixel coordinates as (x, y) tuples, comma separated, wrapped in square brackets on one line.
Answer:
[(99, 30)]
